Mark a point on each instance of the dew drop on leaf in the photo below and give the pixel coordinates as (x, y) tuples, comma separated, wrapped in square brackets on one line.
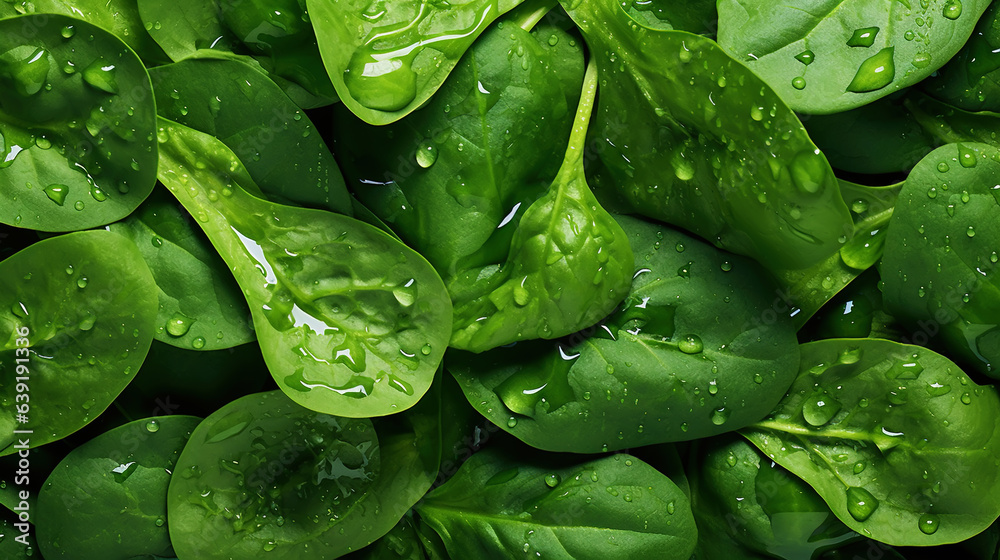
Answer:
[(860, 503)]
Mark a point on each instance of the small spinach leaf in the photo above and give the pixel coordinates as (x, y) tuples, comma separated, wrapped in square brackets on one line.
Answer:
[(694, 351), (77, 124), (732, 163), (941, 258), (264, 475), (201, 306), (107, 499), (350, 320), (387, 58), (827, 56), (760, 505), (249, 113), (78, 312), (567, 267), (898, 441), (499, 507)]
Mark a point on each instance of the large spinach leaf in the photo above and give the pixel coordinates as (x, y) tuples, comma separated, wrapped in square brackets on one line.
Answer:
[(107, 499), (350, 320), (732, 164), (941, 253), (825, 56), (387, 58), (76, 324), (694, 351), (77, 123), (201, 306), (264, 475), (502, 505), (898, 441), (248, 112)]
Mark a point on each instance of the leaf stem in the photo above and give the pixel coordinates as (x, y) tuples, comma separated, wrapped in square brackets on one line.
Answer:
[(581, 122), (531, 19)]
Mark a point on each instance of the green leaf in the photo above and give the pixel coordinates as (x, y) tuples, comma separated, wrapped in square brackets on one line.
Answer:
[(898, 441), (971, 80), (567, 265), (696, 16), (387, 59), (293, 483), (77, 124), (761, 506), (350, 320), (694, 351), (119, 18), (499, 507), (107, 499), (687, 135), (249, 113), (275, 35), (833, 55), (79, 308), (18, 542), (401, 543), (201, 306), (940, 263)]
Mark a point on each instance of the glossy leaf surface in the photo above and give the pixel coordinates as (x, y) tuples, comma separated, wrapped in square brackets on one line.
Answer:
[(898, 441), (77, 123), (79, 309), (350, 320), (694, 351), (107, 499)]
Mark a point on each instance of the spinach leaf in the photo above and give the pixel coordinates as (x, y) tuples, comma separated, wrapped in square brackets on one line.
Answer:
[(971, 80), (499, 506), (761, 506), (567, 267), (201, 307), (402, 542), (898, 441), (120, 19), (276, 35), (510, 251), (826, 56), (941, 252), (350, 320), (263, 474), (731, 163), (692, 352), (107, 499), (77, 311), (249, 113), (387, 58), (77, 124)]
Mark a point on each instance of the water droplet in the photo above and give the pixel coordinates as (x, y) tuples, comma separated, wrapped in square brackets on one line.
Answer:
[(820, 409), (966, 156), (719, 417), (159, 522), (943, 167), (552, 480), (971, 232), (691, 344), (426, 350), (426, 155), (806, 57), (553, 40), (921, 60), (966, 398), (799, 82), (874, 73), (864, 37), (67, 32), (859, 467), (928, 522), (79, 205), (758, 378), (178, 325), (952, 10), (101, 75), (153, 426), (29, 73), (860, 503), (81, 282), (57, 193)]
